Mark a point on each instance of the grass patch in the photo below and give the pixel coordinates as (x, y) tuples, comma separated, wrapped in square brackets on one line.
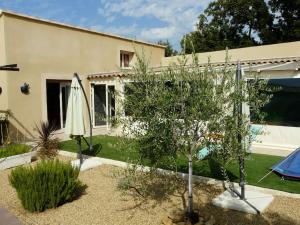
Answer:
[(13, 149), (257, 165), (103, 146)]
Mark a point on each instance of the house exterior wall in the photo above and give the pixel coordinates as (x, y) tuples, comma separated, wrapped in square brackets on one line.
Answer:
[(45, 50), (291, 49)]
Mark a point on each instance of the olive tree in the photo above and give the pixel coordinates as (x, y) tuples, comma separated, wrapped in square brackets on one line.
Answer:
[(182, 108)]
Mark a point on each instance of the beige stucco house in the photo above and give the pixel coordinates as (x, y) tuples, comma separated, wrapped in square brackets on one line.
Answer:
[(48, 53)]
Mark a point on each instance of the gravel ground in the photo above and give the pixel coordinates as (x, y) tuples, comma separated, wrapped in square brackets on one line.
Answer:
[(103, 204)]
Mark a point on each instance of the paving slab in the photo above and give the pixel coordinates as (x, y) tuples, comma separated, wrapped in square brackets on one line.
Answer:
[(256, 202), (6, 218), (87, 163)]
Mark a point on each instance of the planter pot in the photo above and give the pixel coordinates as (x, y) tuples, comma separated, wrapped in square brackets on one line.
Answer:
[(16, 160)]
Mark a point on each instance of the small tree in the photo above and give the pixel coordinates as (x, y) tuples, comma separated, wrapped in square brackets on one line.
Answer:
[(181, 109), (46, 142)]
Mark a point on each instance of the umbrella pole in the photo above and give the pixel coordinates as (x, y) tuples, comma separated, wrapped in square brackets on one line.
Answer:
[(80, 151)]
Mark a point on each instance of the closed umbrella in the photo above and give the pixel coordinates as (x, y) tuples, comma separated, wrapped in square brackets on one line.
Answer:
[(75, 120)]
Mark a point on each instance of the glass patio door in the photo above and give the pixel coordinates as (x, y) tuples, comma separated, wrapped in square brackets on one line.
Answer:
[(103, 98), (110, 103), (64, 97)]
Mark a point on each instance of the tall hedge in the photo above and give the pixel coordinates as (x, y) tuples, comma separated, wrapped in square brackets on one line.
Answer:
[(47, 185)]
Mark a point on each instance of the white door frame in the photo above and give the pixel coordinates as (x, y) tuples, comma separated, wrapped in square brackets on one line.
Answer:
[(92, 98), (61, 85)]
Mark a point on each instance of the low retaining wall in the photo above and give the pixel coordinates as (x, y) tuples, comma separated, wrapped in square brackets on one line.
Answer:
[(16, 160)]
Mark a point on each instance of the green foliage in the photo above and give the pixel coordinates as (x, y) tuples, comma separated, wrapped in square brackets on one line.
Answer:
[(231, 24), (243, 23), (48, 145), (46, 185), (13, 149), (226, 146), (185, 107), (149, 185), (287, 17), (169, 112), (169, 49)]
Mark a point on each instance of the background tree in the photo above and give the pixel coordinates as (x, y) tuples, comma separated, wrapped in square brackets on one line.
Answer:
[(243, 23), (287, 20), (170, 51), (229, 23)]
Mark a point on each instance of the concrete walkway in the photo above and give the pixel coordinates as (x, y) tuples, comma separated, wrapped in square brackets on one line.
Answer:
[(6, 218)]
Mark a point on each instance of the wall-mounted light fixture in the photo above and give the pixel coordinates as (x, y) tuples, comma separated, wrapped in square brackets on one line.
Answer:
[(25, 88), (0, 90)]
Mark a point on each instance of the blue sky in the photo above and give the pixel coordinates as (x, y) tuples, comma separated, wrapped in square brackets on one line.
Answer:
[(148, 20)]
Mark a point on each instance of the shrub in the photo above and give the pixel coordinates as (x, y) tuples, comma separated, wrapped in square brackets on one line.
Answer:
[(47, 185), (13, 149), (48, 145)]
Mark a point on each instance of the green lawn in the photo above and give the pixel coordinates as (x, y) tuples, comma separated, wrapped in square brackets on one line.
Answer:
[(257, 165), (13, 149)]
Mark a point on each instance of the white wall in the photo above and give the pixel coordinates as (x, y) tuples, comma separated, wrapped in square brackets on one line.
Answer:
[(279, 140)]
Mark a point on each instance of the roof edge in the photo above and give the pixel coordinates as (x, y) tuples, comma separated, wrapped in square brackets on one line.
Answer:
[(33, 18), (230, 63), (239, 49)]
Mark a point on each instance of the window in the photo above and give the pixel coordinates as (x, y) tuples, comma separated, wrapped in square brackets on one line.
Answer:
[(103, 104), (125, 58), (284, 106)]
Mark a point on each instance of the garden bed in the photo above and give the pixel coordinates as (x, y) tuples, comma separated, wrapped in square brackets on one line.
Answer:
[(104, 204), (15, 155)]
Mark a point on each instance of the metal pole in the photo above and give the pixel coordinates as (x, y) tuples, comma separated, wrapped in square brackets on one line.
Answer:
[(80, 150), (248, 203), (89, 111), (239, 137), (190, 185)]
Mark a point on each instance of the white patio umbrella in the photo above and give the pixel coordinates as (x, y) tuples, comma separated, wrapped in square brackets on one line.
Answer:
[(75, 120)]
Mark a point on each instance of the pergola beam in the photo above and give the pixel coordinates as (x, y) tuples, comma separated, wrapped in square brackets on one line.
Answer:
[(10, 67)]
